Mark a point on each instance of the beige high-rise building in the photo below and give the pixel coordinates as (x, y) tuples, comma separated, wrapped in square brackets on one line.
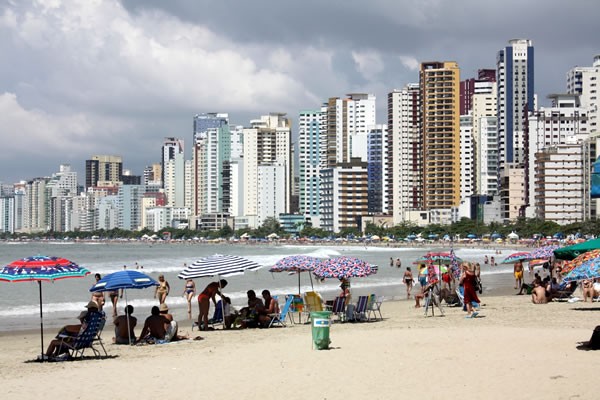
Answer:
[(106, 169), (440, 117)]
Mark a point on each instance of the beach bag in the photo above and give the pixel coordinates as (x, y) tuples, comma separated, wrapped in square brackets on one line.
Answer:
[(595, 340), (478, 286)]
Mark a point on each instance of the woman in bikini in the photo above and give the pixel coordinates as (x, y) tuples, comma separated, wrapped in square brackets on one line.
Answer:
[(188, 292), (98, 297), (162, 290), (408, 280), (209, 293)]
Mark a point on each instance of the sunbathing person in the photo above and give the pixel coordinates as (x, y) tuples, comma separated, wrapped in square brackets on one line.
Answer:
[(124, 333), (68, 332), (155, 327), (538, 294)]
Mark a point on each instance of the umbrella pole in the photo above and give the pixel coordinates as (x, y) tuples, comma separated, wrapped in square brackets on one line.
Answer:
[(311, 281), (299, 283), (222, 302), (127, 316), (41, 323)]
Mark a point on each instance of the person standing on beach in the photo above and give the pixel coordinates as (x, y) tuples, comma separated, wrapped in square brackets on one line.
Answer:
[(468, 280), (189, 291), (408, 281), (162, 290), (518, 271), (209, 293)]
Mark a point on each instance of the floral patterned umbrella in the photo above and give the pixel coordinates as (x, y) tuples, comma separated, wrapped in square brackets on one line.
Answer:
[(514, 257), (344, 267), (577, 261), (589, 269), (297, 264), (545, 252)]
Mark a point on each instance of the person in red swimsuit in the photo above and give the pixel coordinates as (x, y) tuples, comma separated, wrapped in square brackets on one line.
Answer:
[(209, 293), (468, 280)]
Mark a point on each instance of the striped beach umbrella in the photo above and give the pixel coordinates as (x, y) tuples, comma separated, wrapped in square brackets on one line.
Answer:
[(218, 265), (41, 268)]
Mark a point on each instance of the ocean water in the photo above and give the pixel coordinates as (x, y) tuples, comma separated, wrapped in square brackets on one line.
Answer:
[(63, 300)]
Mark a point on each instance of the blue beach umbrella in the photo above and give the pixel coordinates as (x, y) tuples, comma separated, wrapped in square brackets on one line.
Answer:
[(126, 279), (41, 268)]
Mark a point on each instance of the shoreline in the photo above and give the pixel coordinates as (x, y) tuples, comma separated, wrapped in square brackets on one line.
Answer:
[(513, 341)]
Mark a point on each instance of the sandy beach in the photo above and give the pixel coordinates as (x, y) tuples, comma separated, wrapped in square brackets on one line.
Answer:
[(515, 350)]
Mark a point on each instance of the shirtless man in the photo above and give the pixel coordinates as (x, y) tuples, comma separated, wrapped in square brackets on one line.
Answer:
[(122, 334), (155, 326), (538, 295), (518, 270)]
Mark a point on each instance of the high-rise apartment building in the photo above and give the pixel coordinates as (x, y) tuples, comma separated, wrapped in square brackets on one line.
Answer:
[(440, 117), (404, 130), (516, 99), (212, 164), (377, 142), (485, 137), (467, 155), (515, 77), (266, 143), (103, 170), (585, 81), (348, 123), (311, 144), (171, 147)]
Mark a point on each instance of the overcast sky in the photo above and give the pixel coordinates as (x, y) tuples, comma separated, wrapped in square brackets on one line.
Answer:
[(86, 77)]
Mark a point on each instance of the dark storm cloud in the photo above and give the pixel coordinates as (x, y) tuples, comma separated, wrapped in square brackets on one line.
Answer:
[(83, 78)]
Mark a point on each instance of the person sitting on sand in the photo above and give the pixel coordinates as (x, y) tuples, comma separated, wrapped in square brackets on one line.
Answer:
[(209, 293), (171, 334), (538, 294), (418, 297), (124, 325), (155, 327), (588, 290), (71, 331)]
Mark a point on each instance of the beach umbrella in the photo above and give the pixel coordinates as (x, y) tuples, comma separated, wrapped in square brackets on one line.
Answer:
[(545, 252), (297, 264), (126, 279), (514, 257), (439, 257), (218, 265), (570, 252), (41, 268), (344, 268), (589, 269), (577, 261)]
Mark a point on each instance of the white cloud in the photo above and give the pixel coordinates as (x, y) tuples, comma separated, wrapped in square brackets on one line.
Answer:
[(409, 62), (35, 132), (369, 63)]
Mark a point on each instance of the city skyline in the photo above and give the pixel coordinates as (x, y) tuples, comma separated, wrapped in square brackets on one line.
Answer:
[(118, 77)]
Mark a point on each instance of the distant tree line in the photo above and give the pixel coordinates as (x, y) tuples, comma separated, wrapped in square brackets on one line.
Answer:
[(524, 227)]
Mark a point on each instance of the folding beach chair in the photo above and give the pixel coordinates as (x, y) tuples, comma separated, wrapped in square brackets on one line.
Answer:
[(339, 308), (312, 302), (98, 338), (374, 307), (283, 313), (76, 345), (360, 310)]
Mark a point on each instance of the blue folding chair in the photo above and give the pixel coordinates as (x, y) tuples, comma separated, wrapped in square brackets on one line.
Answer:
[(282, 315)]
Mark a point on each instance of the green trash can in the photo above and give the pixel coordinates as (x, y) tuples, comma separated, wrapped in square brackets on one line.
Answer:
[(320, 329)]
